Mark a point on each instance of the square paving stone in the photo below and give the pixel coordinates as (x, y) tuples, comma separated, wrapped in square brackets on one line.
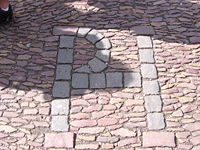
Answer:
[(59, 123), (65, 56), (149, 71), (93, 36), (104, 44), (155, 121), (83, 31), (63, 72), (61, 89), (153, 103), (60, 107), (103, 55), (97, 65), (144, 42), (114, 80), (67, 41), (97, 81), (132, 79), (80, 81), (151, 87), (146, 56)]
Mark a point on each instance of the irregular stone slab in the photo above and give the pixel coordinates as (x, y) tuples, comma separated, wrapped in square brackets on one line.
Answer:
[(63, 30), (104, 44), (63, 72), (114, 80), (97, 65), (61, 89), (153, 103), (146, 56), (155, 121), (153, 139), (59, 140), (80, 81), (60, 107), (97, 81), (83, 31), (194, 40), (151, 87), (149, 71), (65, 56), (144, 42), (103, 55), (132, 79), (143, 30), (91, 130), (83, 69), (67, 41), (107, 139), (93, 36), (59, 123), (122, 132)]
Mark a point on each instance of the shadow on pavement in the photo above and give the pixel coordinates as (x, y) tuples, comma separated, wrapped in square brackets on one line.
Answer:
[(28, 50)]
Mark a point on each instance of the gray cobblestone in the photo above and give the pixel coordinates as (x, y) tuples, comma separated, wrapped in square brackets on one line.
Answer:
[(93, 36), (67, 41), (149, 71), (146, 56), (114, 79), (63, 72), (104, 44), (132, 79), (61, 89), (155, 121), (153, 103), (144, 42), (83, 31), (97, 81), (97, 65), (60, 107), (65, 56), (151, 87), (80, 80), (59, 123), (103, 55)]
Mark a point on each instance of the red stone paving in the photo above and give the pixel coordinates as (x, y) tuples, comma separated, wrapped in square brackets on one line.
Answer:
[(100, 119)]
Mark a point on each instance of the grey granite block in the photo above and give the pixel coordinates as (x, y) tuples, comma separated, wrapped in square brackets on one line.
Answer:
[(80, 81), (65, 56), (61, 89), (97, 65), (59, 123), (155, 121), (97, 81), (132, 79), (67, 41), (114, 79), (60, 107), (63, 72)]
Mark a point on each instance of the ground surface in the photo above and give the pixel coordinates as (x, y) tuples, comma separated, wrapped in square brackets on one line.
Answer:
[(47, 104)]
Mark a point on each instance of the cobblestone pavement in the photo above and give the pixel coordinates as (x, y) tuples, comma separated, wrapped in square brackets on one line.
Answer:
[(103, 74)]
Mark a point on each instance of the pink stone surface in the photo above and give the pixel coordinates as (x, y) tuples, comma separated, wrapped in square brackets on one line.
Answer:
[(153, 139), (59, 140)]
